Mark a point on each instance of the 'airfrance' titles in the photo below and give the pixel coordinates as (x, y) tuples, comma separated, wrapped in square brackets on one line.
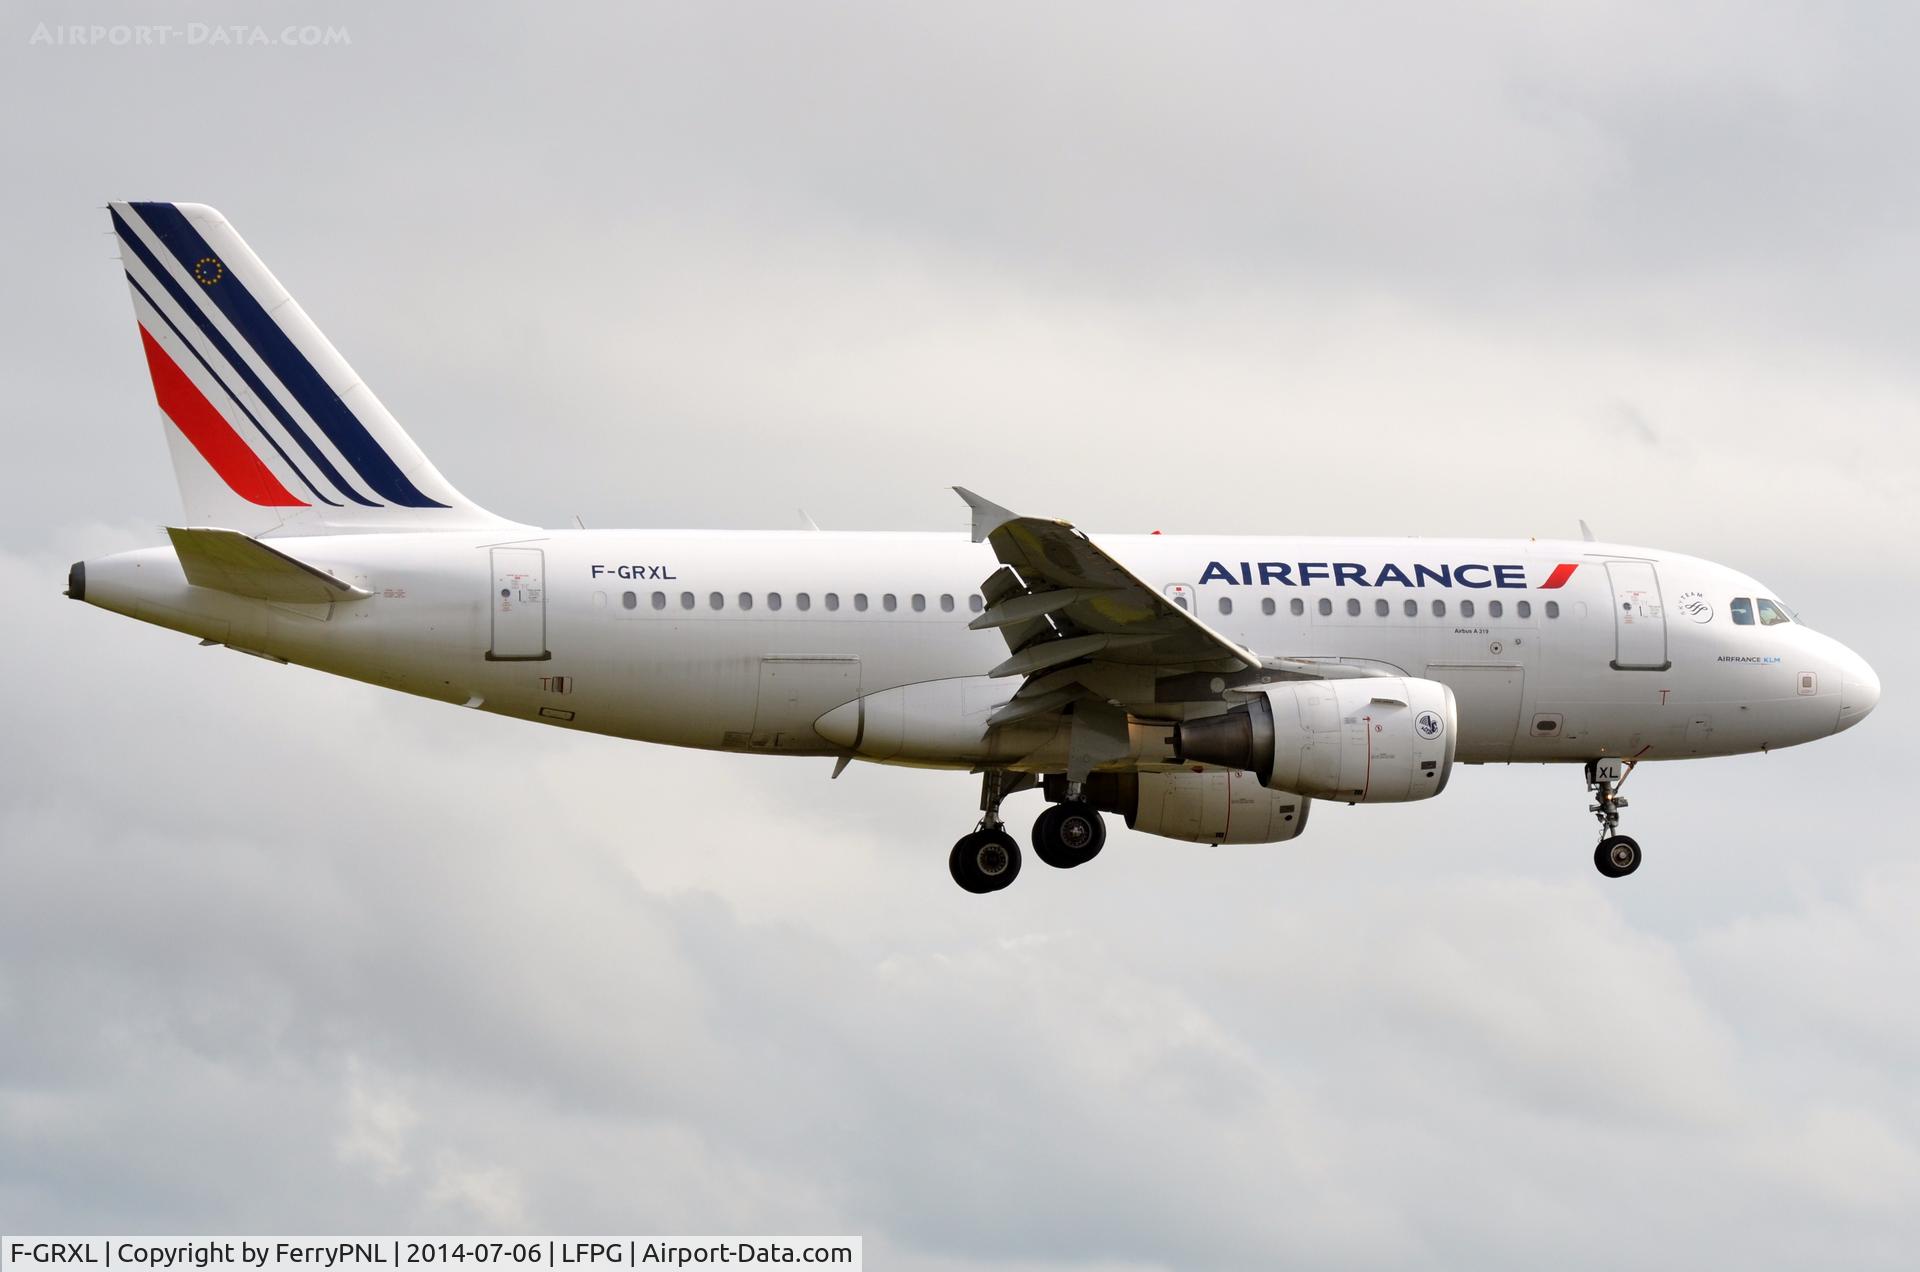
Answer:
[(1354, 574)]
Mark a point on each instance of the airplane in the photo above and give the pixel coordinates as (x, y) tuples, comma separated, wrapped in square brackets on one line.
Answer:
[(1207, 689)]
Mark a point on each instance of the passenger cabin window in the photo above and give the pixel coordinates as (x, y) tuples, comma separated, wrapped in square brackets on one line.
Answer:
[(686, 600), (1466, 609), (1412, 607), (833, 601), (1380, 607), (1326, 606), (976, 603), (659, 600), (919, 603), (1524, 609), (889, 602), (1495, 609), (1353, 607), (1553, 609), (1226, 605), (715, 600), (1742, 610), (860, 602), (1772, 613), (773, 600), (946, 602), (802, 601), (1267, 606), (746, 600), (1181, 601), (1296, 607), (1439, 609), (628, 600)]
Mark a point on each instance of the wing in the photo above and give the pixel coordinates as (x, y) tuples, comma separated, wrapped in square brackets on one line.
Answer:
[(1087, 633), (1058, 597)]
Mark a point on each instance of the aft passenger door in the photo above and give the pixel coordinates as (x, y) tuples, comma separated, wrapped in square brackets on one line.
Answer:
[(1639, 617), (519, 606)]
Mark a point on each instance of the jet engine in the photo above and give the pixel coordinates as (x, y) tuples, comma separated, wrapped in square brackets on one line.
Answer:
[(1370, 740), (1214, 807)]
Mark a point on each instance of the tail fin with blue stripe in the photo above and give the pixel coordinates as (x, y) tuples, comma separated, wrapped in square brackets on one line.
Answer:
[(271, 431)]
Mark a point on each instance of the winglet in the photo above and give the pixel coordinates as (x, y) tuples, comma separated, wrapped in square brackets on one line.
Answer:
[(987, 516)]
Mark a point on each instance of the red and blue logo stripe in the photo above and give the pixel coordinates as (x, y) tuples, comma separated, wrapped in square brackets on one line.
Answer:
[(299, 387)]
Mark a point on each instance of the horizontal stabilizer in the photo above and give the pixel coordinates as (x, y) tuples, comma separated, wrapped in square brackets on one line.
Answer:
[(231, 562)]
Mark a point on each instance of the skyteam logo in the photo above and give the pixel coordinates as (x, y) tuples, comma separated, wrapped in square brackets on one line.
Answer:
[(1428, 725), (1356, 574)]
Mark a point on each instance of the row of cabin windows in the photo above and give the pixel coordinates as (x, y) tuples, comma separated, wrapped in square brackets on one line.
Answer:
[(917, 602), (1382, 607)]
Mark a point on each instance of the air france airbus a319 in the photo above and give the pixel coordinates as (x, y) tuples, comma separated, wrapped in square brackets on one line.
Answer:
[(1207, 689)]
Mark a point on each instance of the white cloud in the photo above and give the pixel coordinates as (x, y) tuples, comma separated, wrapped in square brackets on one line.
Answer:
[(378, 1123)]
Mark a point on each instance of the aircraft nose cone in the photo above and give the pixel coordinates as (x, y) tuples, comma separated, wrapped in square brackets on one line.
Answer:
[(1859, 695)]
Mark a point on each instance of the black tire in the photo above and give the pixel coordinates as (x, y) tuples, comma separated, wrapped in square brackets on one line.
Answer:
[(985, 861), (1069, 835), (1617, 857)]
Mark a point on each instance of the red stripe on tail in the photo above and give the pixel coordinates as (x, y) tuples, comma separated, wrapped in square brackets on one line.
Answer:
[(210, 433), (1561, 573)]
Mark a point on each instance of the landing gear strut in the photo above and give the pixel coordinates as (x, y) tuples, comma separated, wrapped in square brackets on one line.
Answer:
[(988, 859), (1617, 855)]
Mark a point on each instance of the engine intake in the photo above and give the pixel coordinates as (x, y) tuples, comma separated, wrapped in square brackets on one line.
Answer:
[(1370, 740)]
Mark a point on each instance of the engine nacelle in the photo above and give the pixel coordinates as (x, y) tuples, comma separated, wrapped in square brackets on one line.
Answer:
[(1215, 807), (1369, 740)]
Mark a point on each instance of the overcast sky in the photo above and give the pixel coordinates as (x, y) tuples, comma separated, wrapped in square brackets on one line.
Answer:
[(279, 952)]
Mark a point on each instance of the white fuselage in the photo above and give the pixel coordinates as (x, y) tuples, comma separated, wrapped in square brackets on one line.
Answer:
[(744, 640)]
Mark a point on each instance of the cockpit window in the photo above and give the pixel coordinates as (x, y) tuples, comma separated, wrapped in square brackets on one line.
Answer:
[(1772, 612), (1742, 610)]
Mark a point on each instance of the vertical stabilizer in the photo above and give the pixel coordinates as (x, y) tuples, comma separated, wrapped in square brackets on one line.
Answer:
[(271, 431)]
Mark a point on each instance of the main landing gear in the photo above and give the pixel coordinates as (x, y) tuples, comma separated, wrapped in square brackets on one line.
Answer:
[(1617, 855), (1066, 835), (988, 859), (985, 861), (1069, 834)]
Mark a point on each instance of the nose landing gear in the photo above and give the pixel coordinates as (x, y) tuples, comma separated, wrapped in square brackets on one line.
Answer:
[(1616, 856)]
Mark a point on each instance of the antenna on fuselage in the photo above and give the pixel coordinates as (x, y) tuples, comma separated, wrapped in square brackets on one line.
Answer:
[(1586, 531)]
